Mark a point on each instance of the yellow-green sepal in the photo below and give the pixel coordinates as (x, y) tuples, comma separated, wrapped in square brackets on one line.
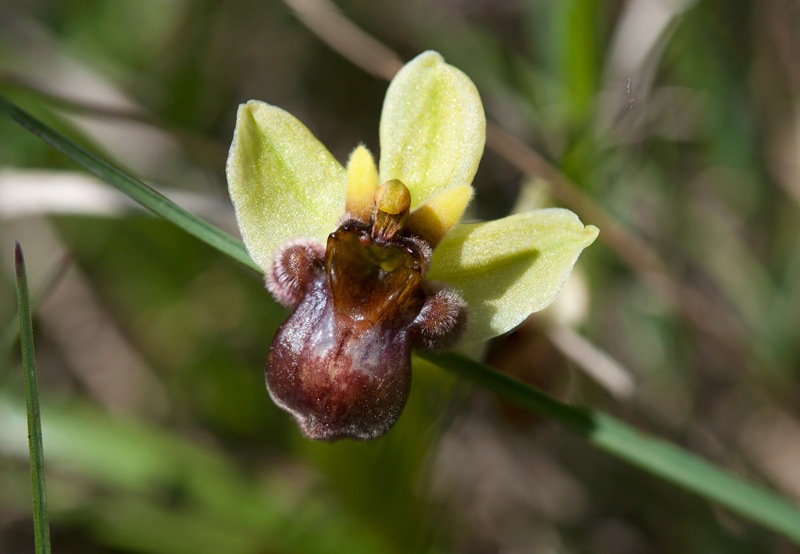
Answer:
[(509, 268), (432, 129), (283, 182)]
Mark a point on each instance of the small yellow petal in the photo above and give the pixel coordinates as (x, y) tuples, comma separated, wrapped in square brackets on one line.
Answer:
[(439, 214), (362, 181)]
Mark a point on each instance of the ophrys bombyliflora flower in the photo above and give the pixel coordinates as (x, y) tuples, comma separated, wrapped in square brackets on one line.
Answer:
[(372, 260)]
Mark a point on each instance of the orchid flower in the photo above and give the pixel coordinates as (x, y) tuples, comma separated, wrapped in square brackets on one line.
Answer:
[(372, 261)]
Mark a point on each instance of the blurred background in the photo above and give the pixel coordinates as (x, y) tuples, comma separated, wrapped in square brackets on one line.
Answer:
[(673, 125)]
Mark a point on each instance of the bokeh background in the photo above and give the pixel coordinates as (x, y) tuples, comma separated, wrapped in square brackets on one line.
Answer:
[(673, 125)]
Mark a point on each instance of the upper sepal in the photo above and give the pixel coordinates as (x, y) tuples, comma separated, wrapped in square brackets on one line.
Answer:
[(432, 128)]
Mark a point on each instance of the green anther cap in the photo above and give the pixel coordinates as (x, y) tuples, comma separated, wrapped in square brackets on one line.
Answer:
[(390, 212)]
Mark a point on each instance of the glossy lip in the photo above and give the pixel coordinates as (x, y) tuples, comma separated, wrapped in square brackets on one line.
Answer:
[(340, 364)]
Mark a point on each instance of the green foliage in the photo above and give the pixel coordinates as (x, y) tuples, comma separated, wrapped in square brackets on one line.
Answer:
[(681, 132), (657, 457)]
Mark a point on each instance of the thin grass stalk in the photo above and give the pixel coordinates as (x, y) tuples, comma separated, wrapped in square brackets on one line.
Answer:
[(652, 454), (41, 526), (133, 188), (10, 335)]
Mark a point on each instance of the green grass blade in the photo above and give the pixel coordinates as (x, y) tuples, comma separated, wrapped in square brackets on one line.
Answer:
[(41, 527), (10, 335), (651, 454), (135, 189)]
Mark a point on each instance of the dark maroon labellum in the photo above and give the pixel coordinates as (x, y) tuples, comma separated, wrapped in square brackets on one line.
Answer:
[(341, 362)]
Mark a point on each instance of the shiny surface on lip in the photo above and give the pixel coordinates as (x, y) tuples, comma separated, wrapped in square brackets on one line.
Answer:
[(341, 363), (371, 281)]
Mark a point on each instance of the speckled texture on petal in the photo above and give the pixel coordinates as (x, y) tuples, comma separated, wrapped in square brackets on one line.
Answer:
[(510, 268), (283, 182), (432, 129)]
